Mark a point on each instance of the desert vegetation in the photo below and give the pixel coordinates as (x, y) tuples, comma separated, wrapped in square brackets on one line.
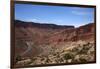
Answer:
[(82, 53)]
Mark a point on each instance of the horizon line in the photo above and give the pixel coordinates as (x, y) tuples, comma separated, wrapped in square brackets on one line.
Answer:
[(53, 23)]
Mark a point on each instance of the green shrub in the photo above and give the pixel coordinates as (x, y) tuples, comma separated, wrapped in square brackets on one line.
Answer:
[(82, 60), (18, 58), (75, 49), (68, 56)]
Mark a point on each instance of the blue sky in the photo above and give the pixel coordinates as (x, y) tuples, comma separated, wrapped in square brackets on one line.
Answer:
[(59, 15)]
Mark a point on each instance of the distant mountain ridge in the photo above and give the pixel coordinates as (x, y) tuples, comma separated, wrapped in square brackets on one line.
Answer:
[(19, 23)]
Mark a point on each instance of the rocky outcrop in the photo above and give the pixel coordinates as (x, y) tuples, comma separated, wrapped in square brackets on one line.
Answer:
[(85, 33)]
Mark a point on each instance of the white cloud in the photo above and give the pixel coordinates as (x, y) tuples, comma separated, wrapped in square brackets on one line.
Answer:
[(80, 13), (32, 20), (37, 20)]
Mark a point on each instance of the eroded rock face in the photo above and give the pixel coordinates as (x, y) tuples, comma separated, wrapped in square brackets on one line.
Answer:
[(49, 43), (85, 32)]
